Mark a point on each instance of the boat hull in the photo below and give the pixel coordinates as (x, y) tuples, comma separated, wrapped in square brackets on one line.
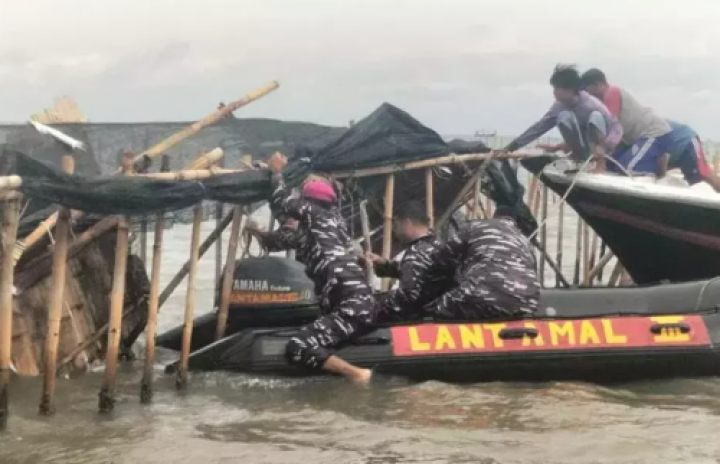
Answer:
[(591, 349)]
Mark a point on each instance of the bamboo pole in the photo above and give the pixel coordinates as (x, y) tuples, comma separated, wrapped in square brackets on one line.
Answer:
[(476, 206), (189, 174), (593, 254), (367, 244), (146, 384), (429, 198), (543, 233), (444, 160), (387, 229), (595, 271), (615, 274), (219, 213), (106, 402), (209, 120), (578, 251), (586, 250), (10, 182), (466, 189), (10, 218), (532, 191), (238, 224), (603, 251), (170, 288), (52, 340), (181, 379), (559, 249)]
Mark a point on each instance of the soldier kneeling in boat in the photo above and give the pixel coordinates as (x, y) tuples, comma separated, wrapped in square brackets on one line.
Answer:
[(412, 227), (346, 299), (498, 277)]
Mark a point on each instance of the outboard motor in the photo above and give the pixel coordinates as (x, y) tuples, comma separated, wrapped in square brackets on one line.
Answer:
[(269, 290), (266, 292)]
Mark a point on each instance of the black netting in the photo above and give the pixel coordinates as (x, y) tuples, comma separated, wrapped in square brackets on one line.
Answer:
[(387, 136), (135, 195)]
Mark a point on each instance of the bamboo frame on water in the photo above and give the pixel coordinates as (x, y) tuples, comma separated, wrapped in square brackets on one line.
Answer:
[(11, 217), (57, 301), (156, 150), (181, 378)]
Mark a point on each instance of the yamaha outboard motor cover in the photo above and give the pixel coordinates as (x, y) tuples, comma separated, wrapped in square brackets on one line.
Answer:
[(266, 292), (270, 282)]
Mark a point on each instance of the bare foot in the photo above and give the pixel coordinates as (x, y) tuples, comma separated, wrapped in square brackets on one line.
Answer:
[(362, 377)]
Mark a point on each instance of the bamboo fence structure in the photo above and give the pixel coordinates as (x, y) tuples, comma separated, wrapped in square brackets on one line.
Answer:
[(588, 269)]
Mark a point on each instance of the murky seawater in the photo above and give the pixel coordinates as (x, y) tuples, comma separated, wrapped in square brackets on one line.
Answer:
[(229, 418)]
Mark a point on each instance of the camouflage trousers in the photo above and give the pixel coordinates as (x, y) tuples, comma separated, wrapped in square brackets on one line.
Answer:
[(473, 300), (349, 311)]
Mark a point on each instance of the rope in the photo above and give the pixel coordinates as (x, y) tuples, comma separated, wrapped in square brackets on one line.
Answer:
[(701, 294), (572, 186)]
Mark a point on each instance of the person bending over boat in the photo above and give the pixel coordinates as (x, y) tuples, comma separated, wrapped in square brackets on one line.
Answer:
[(498, 277), (346, 300), (653, 144), (587, 126), (412, 227)]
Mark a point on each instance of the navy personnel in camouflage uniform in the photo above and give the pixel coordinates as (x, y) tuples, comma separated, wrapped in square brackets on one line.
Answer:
[(412, 227), (346, 300), (498, 277)]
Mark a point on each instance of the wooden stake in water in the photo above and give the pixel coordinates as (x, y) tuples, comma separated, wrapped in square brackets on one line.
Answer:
[(146, 384), (229, 271), (10, 217), (388, 225), (52, 340), (106, 402), (181, 379)]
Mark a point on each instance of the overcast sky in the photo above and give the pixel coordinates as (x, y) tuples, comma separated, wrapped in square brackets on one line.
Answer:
[(456, 65)]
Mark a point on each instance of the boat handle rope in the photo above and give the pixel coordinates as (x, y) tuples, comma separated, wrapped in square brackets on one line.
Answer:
[(701, 293)]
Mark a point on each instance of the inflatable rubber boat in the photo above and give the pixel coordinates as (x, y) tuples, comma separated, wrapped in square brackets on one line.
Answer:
[(598, 334)]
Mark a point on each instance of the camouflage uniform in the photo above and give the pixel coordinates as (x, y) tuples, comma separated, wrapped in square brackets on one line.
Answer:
[(285, 238), (412, 293), (346, 300), (498, 277)]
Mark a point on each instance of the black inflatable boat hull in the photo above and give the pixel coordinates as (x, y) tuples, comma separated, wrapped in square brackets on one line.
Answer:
[(592, 334), (593, 349)]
